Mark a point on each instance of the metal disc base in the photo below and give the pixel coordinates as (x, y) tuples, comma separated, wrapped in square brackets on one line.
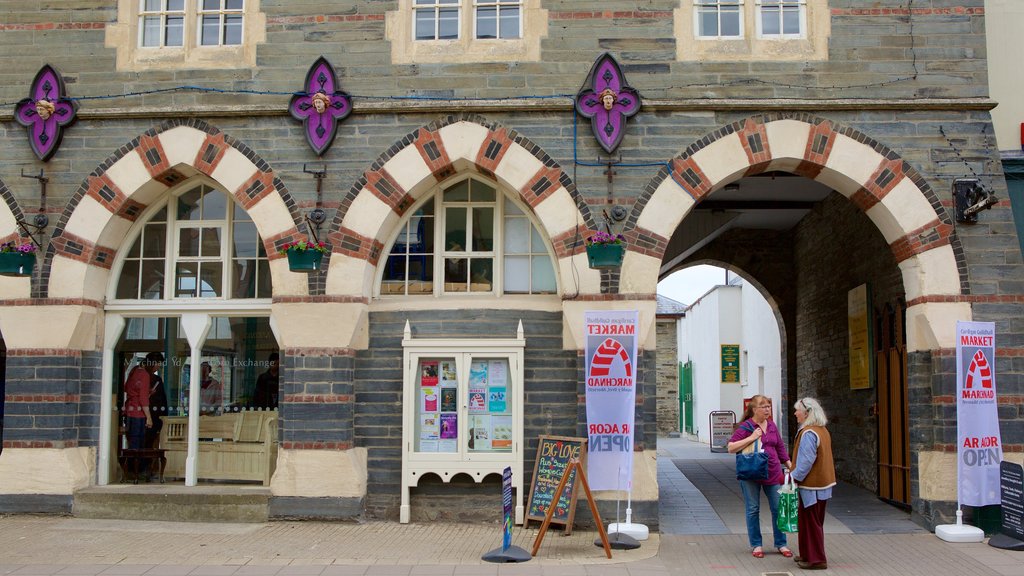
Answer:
[(619, 541)]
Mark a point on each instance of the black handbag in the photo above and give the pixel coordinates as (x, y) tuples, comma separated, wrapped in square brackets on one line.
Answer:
[(753, 465)]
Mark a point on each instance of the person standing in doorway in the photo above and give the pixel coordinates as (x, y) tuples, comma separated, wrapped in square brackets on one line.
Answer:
[(757, 425), (136, 405), (268, 385), (815, 474), (157, 398), (210, 395)]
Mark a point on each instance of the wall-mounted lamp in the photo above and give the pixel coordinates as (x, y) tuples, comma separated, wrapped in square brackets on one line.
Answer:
[(969, 198)]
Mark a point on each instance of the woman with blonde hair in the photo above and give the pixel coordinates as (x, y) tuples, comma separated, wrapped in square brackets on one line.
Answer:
[(815, 474), (757, 425)]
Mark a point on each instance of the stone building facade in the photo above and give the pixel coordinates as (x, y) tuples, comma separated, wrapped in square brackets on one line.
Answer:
[(882, 107)]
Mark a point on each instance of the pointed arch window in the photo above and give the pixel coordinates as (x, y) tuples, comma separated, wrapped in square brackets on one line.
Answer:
[(199, 245), (466, 238)]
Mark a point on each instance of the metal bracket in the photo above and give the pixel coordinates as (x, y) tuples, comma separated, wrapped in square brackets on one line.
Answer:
[(317, 216), (41, 220), (969, 198)]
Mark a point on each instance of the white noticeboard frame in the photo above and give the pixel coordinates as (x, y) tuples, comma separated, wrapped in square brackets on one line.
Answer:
[(426, 369)]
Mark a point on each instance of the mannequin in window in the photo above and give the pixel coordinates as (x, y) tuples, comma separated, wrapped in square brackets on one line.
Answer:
[(157, 399), (136, 404), (211, 397)]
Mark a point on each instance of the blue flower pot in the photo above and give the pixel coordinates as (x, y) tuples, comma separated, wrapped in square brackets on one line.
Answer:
[(17, 263), (604, 256), (304, 260)]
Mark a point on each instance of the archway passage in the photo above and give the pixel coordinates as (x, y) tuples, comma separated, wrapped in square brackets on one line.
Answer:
[(816, 214)]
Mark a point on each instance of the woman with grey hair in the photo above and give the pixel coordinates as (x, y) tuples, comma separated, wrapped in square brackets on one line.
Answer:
[(815, 474)]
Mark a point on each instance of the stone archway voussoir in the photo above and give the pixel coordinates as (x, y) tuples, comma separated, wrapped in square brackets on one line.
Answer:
[(666, 209), (930, 273), (723, 160)]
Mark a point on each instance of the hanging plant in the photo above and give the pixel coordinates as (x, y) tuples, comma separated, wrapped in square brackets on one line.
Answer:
[(17, 259), (605, 250), (304, 256)]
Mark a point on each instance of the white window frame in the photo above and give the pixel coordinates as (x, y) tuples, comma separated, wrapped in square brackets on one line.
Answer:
[(436, 6), (498, 6), (440, 251), (173, 228), (718, 5), (781, 5), (163, 13), (222, 12)]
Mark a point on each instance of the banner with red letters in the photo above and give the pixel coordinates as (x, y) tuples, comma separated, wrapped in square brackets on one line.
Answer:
[(979, 450), (611, 363)]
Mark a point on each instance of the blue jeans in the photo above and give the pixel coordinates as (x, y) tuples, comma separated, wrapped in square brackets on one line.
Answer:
[(752, 500), (136, 433)]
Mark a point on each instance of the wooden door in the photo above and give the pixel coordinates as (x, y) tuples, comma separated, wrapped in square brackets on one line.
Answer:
[(893, 409)]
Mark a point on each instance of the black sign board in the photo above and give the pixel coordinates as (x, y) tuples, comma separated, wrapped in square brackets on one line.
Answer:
[(553, 456), (1011, 480)]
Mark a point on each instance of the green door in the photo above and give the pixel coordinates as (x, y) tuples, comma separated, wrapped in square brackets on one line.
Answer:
[(686, 396)]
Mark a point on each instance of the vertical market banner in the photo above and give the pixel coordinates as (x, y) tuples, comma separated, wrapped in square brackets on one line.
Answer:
[(611, 397), (979, 451)]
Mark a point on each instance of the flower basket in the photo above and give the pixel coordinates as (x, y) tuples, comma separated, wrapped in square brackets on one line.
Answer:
[(604, 256), (304, 260), (17, 260)]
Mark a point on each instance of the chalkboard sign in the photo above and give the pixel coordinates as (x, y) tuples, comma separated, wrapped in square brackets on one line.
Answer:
[(553, 456), (1011, 478)]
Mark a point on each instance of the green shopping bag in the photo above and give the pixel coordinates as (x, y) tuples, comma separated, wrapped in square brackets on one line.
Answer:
[(787, 506)]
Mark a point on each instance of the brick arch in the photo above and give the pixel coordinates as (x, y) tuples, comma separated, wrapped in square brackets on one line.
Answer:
[(95, 222), (888, 189), (415, 164)]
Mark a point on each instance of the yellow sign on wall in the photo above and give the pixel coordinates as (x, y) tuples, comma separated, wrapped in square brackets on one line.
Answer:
[(859, 330)]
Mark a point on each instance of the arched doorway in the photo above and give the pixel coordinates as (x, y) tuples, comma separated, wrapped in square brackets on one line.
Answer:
[(815, 211)]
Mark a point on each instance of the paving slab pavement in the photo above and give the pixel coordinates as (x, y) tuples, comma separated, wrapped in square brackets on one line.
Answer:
[(701, 520)]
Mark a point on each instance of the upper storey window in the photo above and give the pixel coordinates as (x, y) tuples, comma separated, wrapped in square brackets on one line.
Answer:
[(172, 34), (451, 31), (719, 18), (781, 18), (752, 30)]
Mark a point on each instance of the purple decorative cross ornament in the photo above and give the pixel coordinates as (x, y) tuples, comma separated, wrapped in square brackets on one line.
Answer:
[(46, 112), (608, 102), (322, 107)]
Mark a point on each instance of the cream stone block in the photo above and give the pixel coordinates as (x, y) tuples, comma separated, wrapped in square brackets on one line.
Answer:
[(723, 159), (854, 161), (75, 279), (936, 472), (517, 167), (129, 173), (667, 207), (321, 325), (271, 216), (903, 210), (286, 282), (46, 470), (787, 140), (89, 219), (558, 213), (320, 473), (639, 274), (115, 234), (11, 287), (349, 276), (463, 140), (645, 479), (931, 273), (66, 327), (576, 277), (573, 315), (409, 170), (932, 325), (367, 214), (8, 223), (233, 170), (181, 144)]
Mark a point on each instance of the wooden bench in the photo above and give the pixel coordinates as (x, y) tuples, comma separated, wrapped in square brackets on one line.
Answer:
[(233, 446)]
